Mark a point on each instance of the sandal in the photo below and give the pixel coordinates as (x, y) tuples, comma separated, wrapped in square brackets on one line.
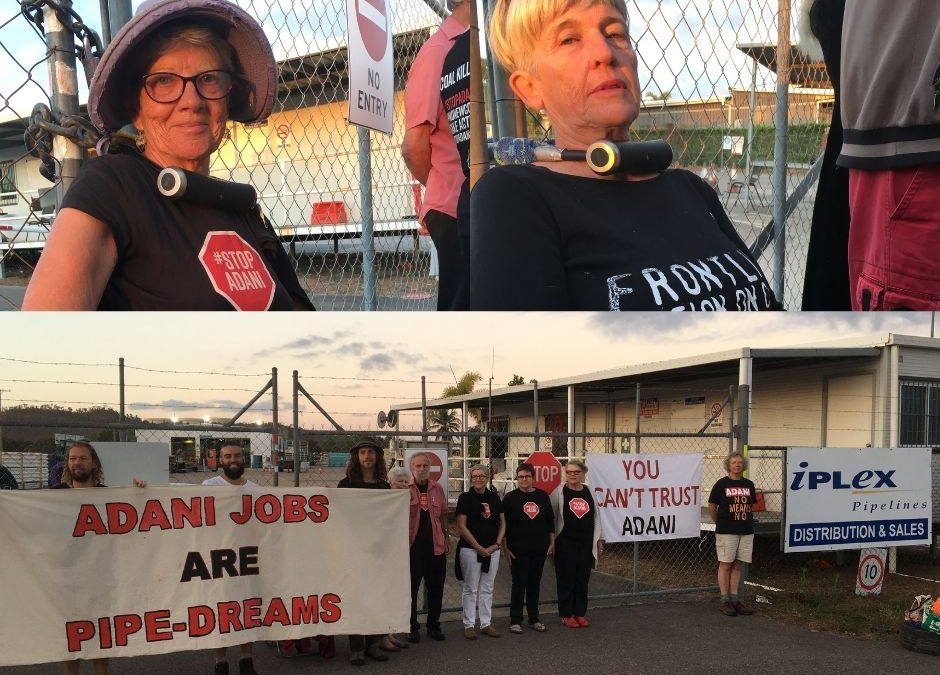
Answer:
[(516, 628), (539, 627)]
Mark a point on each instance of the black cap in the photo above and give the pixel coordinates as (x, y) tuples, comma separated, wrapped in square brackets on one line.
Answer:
[(367, 443)]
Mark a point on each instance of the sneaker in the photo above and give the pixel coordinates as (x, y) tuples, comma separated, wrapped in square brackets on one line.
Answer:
[(221, 668), (357, 658), (386, 644), (539, 627), (742, 609), (398, 643), (436, 634), (516, 628), (570, 622), (584, 623), (727, 608), (374, 653), (246, 667), (489, 631), (414, 637), (470, 633)]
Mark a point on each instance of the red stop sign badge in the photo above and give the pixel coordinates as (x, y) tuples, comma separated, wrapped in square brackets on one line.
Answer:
[(237, 271), (579, 507), (531, 509), (372, 17), (547, 471)]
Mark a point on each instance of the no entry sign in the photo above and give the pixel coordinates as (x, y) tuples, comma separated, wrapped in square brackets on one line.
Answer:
[(371, 77), (547, 471), (237, 271)]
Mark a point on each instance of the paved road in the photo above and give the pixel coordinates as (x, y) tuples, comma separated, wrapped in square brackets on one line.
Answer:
[(11, 297), (686, 636)]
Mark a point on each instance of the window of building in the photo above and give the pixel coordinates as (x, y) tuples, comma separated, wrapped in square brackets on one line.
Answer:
[(7, 184), (920, 413)]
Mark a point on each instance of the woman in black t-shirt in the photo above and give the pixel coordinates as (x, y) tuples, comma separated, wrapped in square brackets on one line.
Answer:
[(482, 527), (557, 236), (578, 543), (179, 71)]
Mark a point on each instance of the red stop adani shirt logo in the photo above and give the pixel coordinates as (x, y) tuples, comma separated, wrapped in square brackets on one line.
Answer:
[(237, 271), (372, 17), (579, 507), (531, 509)]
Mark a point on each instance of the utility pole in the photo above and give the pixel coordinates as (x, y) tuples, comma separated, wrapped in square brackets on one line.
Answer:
[(1, 419)]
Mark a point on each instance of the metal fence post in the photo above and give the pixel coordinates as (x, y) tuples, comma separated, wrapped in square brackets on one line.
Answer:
[(368, 243), (296, 434), (424, 412), (119, 12), (744, 403), (781, 123), (63, 85), (121, 396), (276, 430), (478, 156), (636, 544), (730, 419), (535, 412)]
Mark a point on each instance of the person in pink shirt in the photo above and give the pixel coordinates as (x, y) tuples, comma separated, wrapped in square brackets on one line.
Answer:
[(429, 545), (430, 152)]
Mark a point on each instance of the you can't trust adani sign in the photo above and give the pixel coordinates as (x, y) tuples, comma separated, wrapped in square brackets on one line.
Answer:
[(853, 498)]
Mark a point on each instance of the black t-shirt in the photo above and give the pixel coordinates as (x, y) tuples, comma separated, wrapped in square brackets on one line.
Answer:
[(424, 538), (529, 521), (455, 96), (159, 242), (363, 485), (579, 513), (543, 240), (735, 500), (482, 512)]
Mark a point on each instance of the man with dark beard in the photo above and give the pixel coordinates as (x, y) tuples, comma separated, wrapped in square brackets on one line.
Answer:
[(232, 461)]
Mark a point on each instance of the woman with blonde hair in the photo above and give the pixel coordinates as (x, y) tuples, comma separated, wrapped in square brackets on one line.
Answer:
[(555, 236)]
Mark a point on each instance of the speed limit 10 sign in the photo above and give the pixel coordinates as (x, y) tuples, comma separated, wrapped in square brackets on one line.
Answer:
[(871, 571)]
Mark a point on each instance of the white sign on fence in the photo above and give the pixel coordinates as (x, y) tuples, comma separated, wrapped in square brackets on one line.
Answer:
[(854, 498), (112, 572), (647, 497), (871, 571), (123, 462), (437, 456), (371, 74)]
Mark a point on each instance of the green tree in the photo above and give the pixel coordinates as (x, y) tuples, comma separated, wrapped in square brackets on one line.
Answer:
[(516, 380), (661, 96)]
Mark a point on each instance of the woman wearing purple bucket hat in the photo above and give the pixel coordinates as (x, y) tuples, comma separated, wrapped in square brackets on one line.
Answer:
[(179, 70)]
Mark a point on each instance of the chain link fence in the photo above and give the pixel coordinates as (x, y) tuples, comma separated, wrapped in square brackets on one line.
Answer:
[(304, 161), (709, 75)]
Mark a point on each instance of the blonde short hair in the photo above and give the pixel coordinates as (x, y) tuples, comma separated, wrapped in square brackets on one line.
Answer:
[(515, 26)]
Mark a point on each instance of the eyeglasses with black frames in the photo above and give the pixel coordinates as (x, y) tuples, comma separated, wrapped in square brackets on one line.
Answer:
[(169, 87)]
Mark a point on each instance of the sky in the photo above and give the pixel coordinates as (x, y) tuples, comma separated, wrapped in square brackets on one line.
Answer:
[(686, 46), (357, 364)]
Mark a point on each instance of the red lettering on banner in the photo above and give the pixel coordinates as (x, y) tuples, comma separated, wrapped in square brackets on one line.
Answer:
[(252, 613), (77, 632), (210, 511), (126, 625), (318, 508), (236, 271), (277, 613), (89, 520), (228, 616), (240, 518), (154, 515), (122, 517), (305, 609), (331, 610), (201, 620), (157, 625), (294, 511), (191, 512), (104, 632), (268, 509)]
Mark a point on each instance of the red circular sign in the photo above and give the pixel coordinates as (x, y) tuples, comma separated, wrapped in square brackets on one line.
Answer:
[(547, 471), (237, 271), (877, 572), (437, 468), (372, 17)]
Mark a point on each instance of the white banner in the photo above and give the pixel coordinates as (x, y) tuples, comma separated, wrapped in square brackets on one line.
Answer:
[(111, 572), (854, 498), (647, 497), (371, 76)]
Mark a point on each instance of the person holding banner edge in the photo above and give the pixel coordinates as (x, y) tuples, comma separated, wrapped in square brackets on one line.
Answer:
[(232, 463), (365, 470), (578, 543), (731, 505), (530, 538)]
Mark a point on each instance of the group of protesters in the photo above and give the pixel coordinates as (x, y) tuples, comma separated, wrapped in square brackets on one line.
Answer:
[(525, 526)]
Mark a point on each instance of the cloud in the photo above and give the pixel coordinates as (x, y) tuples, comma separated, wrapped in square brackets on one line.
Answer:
[(309, 346), (383, 361)]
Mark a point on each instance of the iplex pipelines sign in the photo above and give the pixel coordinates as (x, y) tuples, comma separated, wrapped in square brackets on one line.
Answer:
[(855, 498)]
